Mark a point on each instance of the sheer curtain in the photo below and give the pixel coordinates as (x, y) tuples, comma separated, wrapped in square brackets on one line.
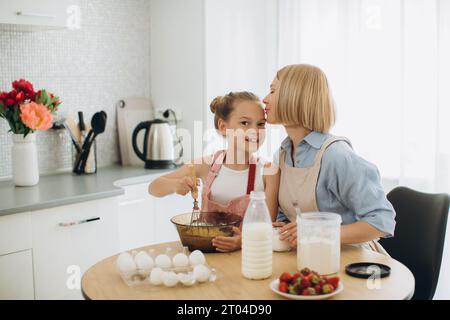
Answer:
[(241, 55), (387, 62), (389, 68)]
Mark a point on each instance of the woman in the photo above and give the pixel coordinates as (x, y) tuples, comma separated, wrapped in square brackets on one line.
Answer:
[(319, 171)]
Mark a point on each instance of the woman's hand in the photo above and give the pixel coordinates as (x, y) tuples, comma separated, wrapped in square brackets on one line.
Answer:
[(288, 232), (185, 185), (228, 244)]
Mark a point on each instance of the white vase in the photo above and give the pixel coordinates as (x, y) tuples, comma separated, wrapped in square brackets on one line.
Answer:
[(25, 169)]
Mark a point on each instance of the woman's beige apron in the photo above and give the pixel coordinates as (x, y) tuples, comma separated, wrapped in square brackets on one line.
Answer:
[(298, 185)]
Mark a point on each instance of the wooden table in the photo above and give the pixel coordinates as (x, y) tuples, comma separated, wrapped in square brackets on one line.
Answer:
[(102, 281)]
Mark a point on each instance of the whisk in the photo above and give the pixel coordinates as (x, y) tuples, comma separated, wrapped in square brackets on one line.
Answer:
[(195, 216)]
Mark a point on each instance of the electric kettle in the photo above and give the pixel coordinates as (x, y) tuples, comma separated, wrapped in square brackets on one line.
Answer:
[(158, 148)]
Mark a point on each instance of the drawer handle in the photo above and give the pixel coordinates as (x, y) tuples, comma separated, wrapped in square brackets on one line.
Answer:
[(74, 223), (36, 15)]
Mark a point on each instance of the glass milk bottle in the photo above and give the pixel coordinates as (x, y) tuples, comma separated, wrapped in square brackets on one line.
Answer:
[(319, 242), (257, 239)]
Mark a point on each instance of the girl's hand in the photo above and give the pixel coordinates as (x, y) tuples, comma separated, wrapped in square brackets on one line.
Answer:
[(288, 232), (185, 185), (228, 244), (278, 224)]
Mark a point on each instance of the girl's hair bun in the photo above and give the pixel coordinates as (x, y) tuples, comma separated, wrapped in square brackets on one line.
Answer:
[(215, 103)]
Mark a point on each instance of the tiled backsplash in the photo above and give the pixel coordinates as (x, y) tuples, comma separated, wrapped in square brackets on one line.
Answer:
[(90, 69)]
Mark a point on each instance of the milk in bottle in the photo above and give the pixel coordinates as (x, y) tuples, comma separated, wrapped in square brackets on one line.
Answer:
[(257, 239)]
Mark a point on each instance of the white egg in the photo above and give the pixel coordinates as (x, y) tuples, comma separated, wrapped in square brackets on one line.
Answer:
[(180, 260), (197, 257), (186, 278), (126, 263), (170, 279), (201, 273), (156, 276), (163, 261), (144, 261), (180, 276)]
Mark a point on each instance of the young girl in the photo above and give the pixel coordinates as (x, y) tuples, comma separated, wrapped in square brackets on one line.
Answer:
[(228, 176)]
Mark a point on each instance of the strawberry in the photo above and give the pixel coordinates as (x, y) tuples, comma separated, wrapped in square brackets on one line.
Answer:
[(283, 287), (318, 289), (305, 271), (304, 282), (286, 277), (292, 289), (314, 279), (328, 288), (334, 281), (295, 277), (309, 292)]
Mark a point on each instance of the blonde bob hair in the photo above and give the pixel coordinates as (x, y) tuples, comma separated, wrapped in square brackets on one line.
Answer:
[(304, 98)]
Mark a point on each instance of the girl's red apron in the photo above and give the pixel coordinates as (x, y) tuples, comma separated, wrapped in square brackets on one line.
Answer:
[(237, 205)]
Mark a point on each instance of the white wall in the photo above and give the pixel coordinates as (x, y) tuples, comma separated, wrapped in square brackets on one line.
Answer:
[(204, 48), (177, 58), (241, 49), (241, 53), (90, 68)]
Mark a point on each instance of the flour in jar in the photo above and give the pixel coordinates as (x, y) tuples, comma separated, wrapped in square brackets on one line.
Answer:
[(321, 255)]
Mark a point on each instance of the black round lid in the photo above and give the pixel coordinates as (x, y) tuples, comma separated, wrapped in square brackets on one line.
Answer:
[(366, 270)]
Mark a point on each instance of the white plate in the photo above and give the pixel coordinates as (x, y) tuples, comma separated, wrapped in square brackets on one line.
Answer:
[(274, 287)]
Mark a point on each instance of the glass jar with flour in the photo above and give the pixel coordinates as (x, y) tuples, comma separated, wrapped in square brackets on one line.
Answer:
[(318, 242)]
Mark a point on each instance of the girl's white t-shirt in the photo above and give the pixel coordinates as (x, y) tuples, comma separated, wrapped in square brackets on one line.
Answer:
[(230, 184)]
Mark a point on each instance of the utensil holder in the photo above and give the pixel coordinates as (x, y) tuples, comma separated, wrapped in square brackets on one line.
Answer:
[(91, 161)]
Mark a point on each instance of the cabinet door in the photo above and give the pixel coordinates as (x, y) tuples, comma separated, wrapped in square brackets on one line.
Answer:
[(64, 246), (48, 13), (165, 209), (16, 276), (15, 233), (136, 217)]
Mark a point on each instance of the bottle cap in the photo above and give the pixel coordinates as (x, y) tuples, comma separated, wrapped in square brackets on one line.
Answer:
[(257, 195)]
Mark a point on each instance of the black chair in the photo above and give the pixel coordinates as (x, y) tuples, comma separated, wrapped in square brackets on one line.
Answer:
[(419, 236)]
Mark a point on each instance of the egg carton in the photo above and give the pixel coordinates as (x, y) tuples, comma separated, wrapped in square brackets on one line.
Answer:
[(165, 267)]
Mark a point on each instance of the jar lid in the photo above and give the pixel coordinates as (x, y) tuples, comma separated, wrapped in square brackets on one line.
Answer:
[(320, 217), (366, 270)]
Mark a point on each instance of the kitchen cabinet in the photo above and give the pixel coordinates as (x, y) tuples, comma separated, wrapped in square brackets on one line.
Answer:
[(15, 233), (16, 276), (66, 244), (16, 265), (145, 220), (44, 253), (136, 217), (42, 13), (165, 209)]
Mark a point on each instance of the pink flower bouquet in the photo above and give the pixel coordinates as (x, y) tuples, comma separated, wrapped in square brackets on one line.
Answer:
[(26, 110)]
